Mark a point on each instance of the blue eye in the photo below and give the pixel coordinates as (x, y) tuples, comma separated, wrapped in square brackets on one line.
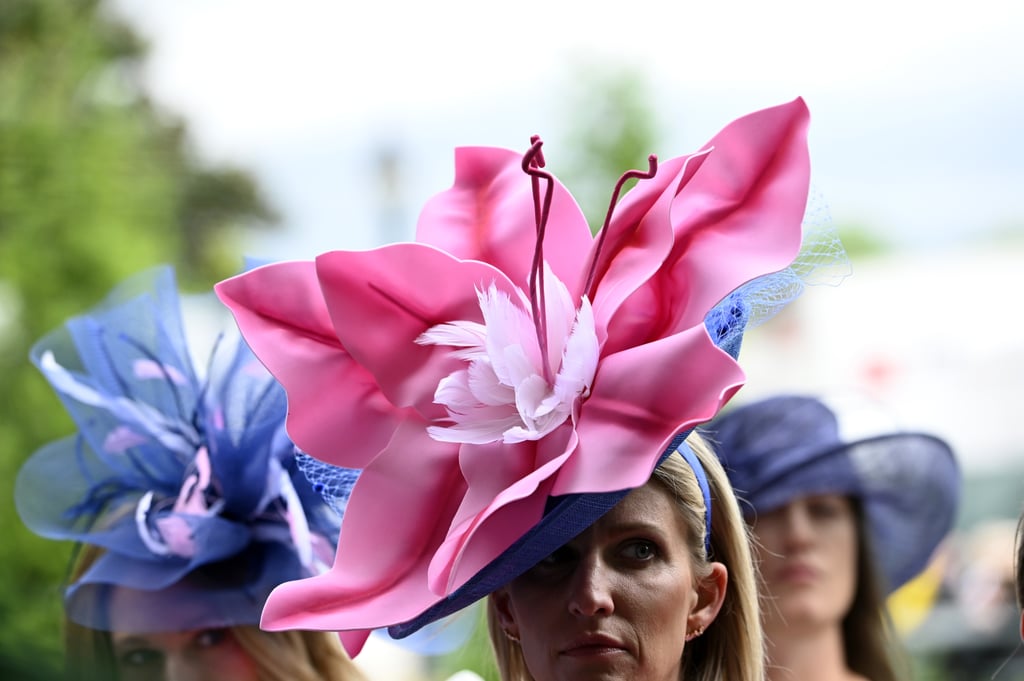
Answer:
[(641, 550), (827, 507)]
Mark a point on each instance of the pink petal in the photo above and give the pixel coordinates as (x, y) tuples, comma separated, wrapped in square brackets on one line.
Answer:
[(380, 306), (639, 240), (282, 315), (735, 216), (643, 397), (508, 488), (747, 201), (488, 215), (399, 512)]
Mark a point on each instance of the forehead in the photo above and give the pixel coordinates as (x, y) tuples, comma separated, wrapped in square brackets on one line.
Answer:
[(650, 505), (167, 640), (811, 498)]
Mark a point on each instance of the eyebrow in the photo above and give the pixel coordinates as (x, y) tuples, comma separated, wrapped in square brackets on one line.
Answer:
[(131, 642), (642, 526)]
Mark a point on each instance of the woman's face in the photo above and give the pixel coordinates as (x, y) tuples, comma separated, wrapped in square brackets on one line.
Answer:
[(808, 557), (617, 601), (198, 655)]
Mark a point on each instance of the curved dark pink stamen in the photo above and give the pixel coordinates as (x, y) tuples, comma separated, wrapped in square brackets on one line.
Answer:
[(652, 170), (533, 161)]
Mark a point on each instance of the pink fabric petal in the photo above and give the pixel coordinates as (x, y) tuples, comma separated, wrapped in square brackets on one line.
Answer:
[(642, 398), (399, 512), (499, 477), (380, 306), (639, 241), (746, 199), (332, 399), (488, 215)]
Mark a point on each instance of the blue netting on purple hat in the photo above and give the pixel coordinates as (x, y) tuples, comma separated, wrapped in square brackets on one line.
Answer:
[(180, 472), (791, 446)]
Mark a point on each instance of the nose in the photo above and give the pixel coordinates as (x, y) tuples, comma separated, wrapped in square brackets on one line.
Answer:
[(591, 589), (799, 530), (179, 667)]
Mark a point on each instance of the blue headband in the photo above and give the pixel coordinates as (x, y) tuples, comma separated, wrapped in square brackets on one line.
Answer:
[(702, 480)]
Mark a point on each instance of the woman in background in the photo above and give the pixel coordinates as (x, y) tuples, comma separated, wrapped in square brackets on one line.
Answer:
[(185, 495), (839, 523)]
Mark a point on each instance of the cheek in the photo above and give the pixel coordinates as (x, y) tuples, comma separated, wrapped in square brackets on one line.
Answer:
[(659, 613), (845, 551), (233, 662), (533, 615)]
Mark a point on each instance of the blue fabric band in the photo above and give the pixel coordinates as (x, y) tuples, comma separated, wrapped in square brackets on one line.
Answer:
[(702, 480)]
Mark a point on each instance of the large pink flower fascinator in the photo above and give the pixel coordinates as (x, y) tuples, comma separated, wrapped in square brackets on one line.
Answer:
[(508, 377)]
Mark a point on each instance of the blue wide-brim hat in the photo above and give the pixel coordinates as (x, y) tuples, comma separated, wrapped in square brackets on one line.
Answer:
[(790, 446)]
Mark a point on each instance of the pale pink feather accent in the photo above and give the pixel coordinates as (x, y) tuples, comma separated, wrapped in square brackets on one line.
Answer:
[(191, 499), (176, 534), (121, 439), (502, 394), (148, 369), (174, 529)]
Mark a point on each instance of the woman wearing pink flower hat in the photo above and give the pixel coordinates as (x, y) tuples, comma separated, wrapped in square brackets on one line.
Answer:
[(521, 394)]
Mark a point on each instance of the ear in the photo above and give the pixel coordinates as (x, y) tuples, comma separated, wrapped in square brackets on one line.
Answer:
[(503, 609), (710, 597)]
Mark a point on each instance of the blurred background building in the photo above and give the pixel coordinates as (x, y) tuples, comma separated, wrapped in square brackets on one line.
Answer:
[(200, 131)]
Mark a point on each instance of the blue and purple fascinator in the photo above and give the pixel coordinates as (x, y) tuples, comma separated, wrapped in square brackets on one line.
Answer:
[(180, 472), (786, 447)]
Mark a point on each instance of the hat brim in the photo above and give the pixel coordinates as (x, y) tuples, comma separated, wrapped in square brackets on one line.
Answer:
[(910, 494), (907, 483), (565, 517)]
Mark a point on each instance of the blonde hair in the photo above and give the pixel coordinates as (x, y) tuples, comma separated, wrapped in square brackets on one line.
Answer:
[(278, 655), (732, 647), (297, 655)]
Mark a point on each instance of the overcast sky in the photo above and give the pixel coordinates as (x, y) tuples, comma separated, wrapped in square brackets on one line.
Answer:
[(916, 106)]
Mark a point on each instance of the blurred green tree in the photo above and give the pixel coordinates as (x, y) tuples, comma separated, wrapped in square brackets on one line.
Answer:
[(96, 183)]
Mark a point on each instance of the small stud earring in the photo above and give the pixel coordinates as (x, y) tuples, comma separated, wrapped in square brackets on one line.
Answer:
[(512, 637), (690, 635)]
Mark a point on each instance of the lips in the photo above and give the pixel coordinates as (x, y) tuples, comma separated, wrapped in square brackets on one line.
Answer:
[(797, 572), (593, 645)]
